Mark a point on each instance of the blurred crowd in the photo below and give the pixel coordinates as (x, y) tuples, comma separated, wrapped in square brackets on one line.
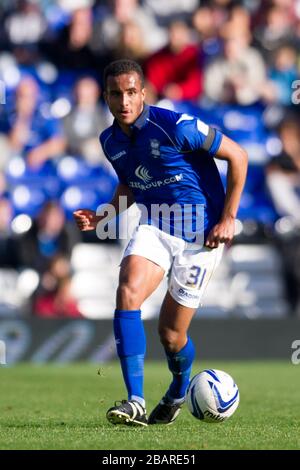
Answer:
[(222, 58)]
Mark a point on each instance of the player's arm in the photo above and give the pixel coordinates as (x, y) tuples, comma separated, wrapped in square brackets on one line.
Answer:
[(87, 219), (237, 160)]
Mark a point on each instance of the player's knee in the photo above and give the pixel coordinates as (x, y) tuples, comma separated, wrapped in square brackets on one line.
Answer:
[(170, 339), (128, 296)]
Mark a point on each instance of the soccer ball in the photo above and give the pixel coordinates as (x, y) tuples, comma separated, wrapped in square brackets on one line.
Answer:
[(212, 396)]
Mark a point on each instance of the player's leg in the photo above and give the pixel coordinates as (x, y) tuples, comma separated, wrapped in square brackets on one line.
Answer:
[(174, 322), (191, 272), (139, 277)]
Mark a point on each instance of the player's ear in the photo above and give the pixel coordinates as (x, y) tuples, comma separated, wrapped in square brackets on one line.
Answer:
[(144, 93)]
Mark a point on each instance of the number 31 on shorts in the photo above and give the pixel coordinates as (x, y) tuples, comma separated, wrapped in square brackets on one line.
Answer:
[(196, 277)]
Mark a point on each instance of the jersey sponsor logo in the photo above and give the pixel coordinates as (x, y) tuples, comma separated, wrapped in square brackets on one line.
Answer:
[(118, 155), (142, 173), (154, 184)]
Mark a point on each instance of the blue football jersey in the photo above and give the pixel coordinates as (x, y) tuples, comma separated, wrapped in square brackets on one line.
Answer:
[(168, 159)]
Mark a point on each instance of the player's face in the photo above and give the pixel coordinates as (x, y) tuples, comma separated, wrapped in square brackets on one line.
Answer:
[(125, 97)]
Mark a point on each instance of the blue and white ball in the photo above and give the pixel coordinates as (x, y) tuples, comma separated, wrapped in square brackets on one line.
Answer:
[(212, 396)]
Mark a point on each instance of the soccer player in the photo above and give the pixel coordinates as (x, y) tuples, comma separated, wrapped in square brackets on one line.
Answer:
[(162, 157)]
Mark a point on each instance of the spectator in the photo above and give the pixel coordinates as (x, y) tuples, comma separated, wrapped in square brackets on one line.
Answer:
[(57, 303), (239, 18), (174, 72), (283, 181), (277, 29), (282, 74), (221, 10), (26, 24), (284, 171), (49, 236), (59, 269), (73, 48), (131, 43), (30, 132), (206, 26), (85, 122), (54, 297), (240, 75), (120, 12)]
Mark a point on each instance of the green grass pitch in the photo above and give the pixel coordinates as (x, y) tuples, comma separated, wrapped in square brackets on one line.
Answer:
[(63, 407)]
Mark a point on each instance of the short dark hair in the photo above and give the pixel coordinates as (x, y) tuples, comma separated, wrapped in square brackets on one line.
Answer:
[(118, 67)]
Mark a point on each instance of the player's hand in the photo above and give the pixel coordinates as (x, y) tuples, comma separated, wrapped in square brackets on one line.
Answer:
[(86, 219), (223, 232)]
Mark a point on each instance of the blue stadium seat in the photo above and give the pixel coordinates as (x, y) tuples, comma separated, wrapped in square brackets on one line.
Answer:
[(27, 200), (64, 84), (73, 170), (256, 203), (43, 178), (75, 197), (84, 185), (76, 171)]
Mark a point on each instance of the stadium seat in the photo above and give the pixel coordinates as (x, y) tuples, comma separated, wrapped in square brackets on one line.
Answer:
[(31, 187), (91, 284), (27, 200), (16, 289), (95, 278), (94, 257), (97, 309), (256, 281), (72, 170), (253, 258)]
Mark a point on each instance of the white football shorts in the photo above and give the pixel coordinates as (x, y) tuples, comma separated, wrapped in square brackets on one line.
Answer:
[(189, 266)]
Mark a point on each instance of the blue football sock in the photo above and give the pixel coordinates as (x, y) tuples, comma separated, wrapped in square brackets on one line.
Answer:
[(131, 348), (180, 364)]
